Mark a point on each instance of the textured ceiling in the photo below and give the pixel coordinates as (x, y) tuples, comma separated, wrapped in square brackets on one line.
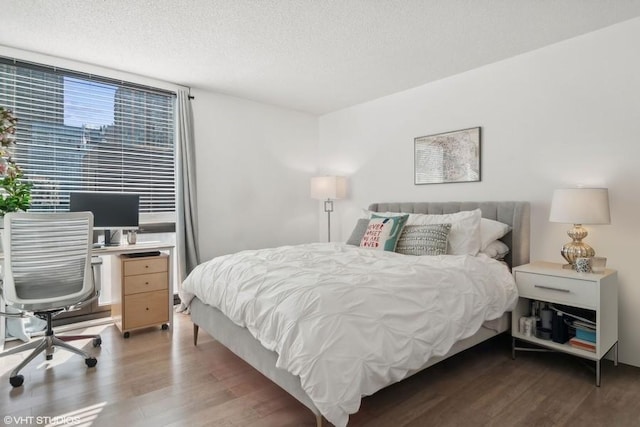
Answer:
[(310, 55)]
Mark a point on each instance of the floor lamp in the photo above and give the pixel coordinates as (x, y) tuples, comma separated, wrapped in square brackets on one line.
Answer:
[(328, 188)]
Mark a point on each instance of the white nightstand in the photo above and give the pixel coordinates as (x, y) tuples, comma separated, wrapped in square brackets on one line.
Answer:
[(549, 282)]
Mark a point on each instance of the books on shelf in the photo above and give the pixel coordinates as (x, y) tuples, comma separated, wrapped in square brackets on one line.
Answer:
[(585, 331), (583, 344), (586, 334), (584, 325)]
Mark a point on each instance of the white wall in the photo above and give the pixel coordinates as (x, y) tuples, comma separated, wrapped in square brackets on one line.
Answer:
[(254, 162), (564, 115)]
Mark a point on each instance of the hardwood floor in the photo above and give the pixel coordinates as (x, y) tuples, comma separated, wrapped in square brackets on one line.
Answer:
[(158, 378)]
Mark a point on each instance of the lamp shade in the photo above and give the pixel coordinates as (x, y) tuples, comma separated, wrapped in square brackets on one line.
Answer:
[(580, 206), (328, 187)]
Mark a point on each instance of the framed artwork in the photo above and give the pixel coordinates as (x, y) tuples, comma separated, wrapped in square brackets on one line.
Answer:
[(447, 157)]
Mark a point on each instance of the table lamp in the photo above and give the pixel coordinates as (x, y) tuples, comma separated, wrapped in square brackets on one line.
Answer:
[(579, 206), (328, 188)]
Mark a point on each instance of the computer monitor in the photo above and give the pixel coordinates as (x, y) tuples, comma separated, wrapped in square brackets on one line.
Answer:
[(110, 210)]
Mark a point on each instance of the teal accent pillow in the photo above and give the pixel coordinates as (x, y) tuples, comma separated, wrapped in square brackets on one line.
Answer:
[(383, 232), (424, 239)]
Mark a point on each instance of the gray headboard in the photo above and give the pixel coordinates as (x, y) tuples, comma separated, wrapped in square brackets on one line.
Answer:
[(516, 214)]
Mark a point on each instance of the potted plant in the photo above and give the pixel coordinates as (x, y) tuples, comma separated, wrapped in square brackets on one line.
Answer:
[(15, 193)]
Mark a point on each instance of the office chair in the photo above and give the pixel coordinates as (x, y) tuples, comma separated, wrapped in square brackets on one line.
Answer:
[(47, 270)]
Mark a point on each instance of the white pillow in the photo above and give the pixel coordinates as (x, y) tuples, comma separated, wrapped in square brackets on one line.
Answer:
[(491, 230), (496, 250), (464, 237)]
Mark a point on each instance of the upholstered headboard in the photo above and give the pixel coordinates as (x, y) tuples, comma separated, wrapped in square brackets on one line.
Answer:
[(516, 214)]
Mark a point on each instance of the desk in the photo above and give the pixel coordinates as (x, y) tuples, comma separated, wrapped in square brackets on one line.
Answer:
[(115, 251)]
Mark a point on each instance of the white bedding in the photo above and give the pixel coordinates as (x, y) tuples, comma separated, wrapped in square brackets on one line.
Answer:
[(349, 321)]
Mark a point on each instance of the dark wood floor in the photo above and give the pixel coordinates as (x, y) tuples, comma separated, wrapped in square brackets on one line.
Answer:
[(158, 378)]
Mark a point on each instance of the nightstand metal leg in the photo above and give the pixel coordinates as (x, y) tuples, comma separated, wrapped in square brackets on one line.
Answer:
[(513, 348), (597, 373), (615, 355)]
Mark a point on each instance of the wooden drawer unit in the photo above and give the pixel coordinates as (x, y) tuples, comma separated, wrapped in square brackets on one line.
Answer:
[(141, 293)]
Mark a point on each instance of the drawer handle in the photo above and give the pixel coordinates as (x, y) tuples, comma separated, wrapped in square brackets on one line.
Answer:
[(147, 308), (146, 283), (552, 289), (146, 266)]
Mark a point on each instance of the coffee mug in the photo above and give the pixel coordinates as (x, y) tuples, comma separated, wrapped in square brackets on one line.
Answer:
[(583, 265), (132, 236), (598, 264)]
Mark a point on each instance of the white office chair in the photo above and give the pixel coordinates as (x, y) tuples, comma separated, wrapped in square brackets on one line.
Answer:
[(47, 270)]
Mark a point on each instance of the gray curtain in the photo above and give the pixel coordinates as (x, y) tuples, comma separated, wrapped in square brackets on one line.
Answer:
[(187, 226)]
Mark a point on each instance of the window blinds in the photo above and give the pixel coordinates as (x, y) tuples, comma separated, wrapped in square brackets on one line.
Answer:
[(79, 132)]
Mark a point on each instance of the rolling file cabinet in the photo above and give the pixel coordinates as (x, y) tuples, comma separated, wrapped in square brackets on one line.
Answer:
[(141, 293)]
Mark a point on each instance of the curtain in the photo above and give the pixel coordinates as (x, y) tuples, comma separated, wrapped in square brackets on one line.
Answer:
[(187, 212)]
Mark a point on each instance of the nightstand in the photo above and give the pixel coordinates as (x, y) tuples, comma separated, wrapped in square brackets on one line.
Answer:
[(550, 283)]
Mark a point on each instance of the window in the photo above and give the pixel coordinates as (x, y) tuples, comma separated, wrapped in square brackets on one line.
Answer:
[(79, 132)]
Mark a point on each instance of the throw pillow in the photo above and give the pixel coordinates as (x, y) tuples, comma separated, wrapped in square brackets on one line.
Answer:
[(423, 239), (464, 237), (358, 232), (382, 233)]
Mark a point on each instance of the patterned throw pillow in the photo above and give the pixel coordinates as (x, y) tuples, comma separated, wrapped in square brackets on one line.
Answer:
[(424, 239), (382, 233)]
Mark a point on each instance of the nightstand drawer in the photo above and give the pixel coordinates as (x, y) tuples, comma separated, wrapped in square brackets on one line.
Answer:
[(557, 289)]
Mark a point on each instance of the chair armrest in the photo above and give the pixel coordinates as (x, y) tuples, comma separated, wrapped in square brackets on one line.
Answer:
[(96, 270)]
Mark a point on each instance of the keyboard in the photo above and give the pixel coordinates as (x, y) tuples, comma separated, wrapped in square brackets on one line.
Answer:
[(142, 254)]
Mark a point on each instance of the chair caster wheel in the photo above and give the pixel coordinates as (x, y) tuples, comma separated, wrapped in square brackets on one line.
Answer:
[(49, 356), (16, 381), (97, 342), (91, 362), (126, 335), (165, 326)]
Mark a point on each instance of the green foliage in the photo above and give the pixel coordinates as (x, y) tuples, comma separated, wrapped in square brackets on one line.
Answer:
[(16, 194)]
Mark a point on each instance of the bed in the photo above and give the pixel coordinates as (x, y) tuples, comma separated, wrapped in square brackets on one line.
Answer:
[(240, 339)]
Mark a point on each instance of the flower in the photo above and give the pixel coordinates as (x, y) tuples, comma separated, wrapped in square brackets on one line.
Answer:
[(8, 124), (15, 194)]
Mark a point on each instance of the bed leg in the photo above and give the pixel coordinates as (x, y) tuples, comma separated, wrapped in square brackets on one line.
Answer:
[(319, 421), (195, 334)]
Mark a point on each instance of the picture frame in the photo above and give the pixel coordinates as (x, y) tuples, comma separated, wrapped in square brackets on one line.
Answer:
[(448, 157)]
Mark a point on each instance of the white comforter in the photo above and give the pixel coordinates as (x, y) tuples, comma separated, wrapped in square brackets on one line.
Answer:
[(350, 321)]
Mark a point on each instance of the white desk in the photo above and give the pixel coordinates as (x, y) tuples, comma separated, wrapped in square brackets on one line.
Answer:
[(131, 249), (115, 251)]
